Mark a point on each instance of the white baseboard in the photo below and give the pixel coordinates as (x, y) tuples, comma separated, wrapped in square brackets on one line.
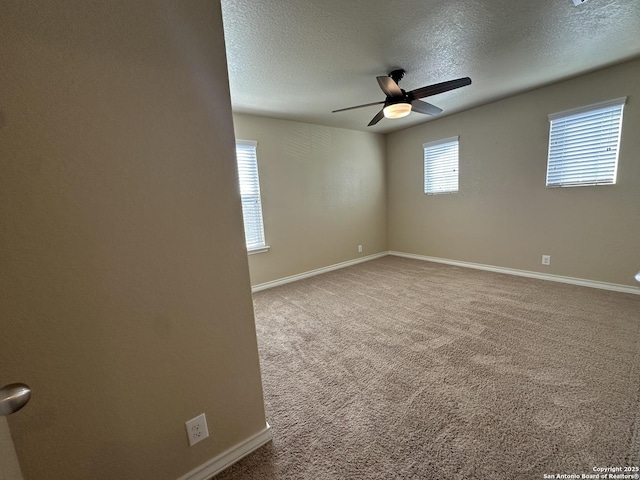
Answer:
[(229, 457), (318, 271), (478, 266), (526, 273)]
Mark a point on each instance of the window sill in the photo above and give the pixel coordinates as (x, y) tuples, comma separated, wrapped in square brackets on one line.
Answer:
[(258, 250), (591, 184)]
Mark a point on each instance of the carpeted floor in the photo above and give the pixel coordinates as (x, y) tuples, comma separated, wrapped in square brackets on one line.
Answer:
[(403, 369)]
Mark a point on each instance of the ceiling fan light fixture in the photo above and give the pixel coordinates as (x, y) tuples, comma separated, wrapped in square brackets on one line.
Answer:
[(397, 110)]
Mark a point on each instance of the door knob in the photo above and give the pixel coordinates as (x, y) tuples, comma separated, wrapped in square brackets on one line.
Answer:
[(13, 397)]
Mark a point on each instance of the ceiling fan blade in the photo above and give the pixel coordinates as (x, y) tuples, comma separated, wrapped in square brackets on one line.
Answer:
[(424, 107), (389, 87), (357, 106), (437, 88), (377, 118)]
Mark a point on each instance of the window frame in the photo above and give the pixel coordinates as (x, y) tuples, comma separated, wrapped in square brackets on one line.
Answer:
[(435, 143), (563, 121), (255, 196)]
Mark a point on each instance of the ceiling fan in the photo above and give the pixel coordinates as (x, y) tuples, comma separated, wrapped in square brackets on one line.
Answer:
[(399, 103)]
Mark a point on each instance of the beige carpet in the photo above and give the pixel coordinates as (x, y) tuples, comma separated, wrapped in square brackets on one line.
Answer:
[(403, 369)]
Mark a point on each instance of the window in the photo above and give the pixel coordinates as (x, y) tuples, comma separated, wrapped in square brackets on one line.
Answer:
[(584, 145), (441, 166), (250, 193)]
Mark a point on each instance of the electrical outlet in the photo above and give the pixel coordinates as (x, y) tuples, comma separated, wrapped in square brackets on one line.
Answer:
[(546, 259), (359, 248), (197, 429)]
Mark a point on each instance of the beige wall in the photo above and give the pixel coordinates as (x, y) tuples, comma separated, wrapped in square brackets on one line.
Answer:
[(9, 467), (126, 301), (503, 215), (323, 194)]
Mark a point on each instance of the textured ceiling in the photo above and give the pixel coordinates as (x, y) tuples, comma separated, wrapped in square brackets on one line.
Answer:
[(298, 60)]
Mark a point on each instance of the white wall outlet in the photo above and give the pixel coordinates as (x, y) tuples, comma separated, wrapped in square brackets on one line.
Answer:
[(359, 248), (546, 259), (197, 429)]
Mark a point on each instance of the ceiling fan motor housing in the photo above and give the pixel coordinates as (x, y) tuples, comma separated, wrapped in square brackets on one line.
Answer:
[(393, 100)]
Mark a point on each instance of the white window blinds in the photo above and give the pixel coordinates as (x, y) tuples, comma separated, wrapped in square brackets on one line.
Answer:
[(441, 166), (250, 193), (584, 145)]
